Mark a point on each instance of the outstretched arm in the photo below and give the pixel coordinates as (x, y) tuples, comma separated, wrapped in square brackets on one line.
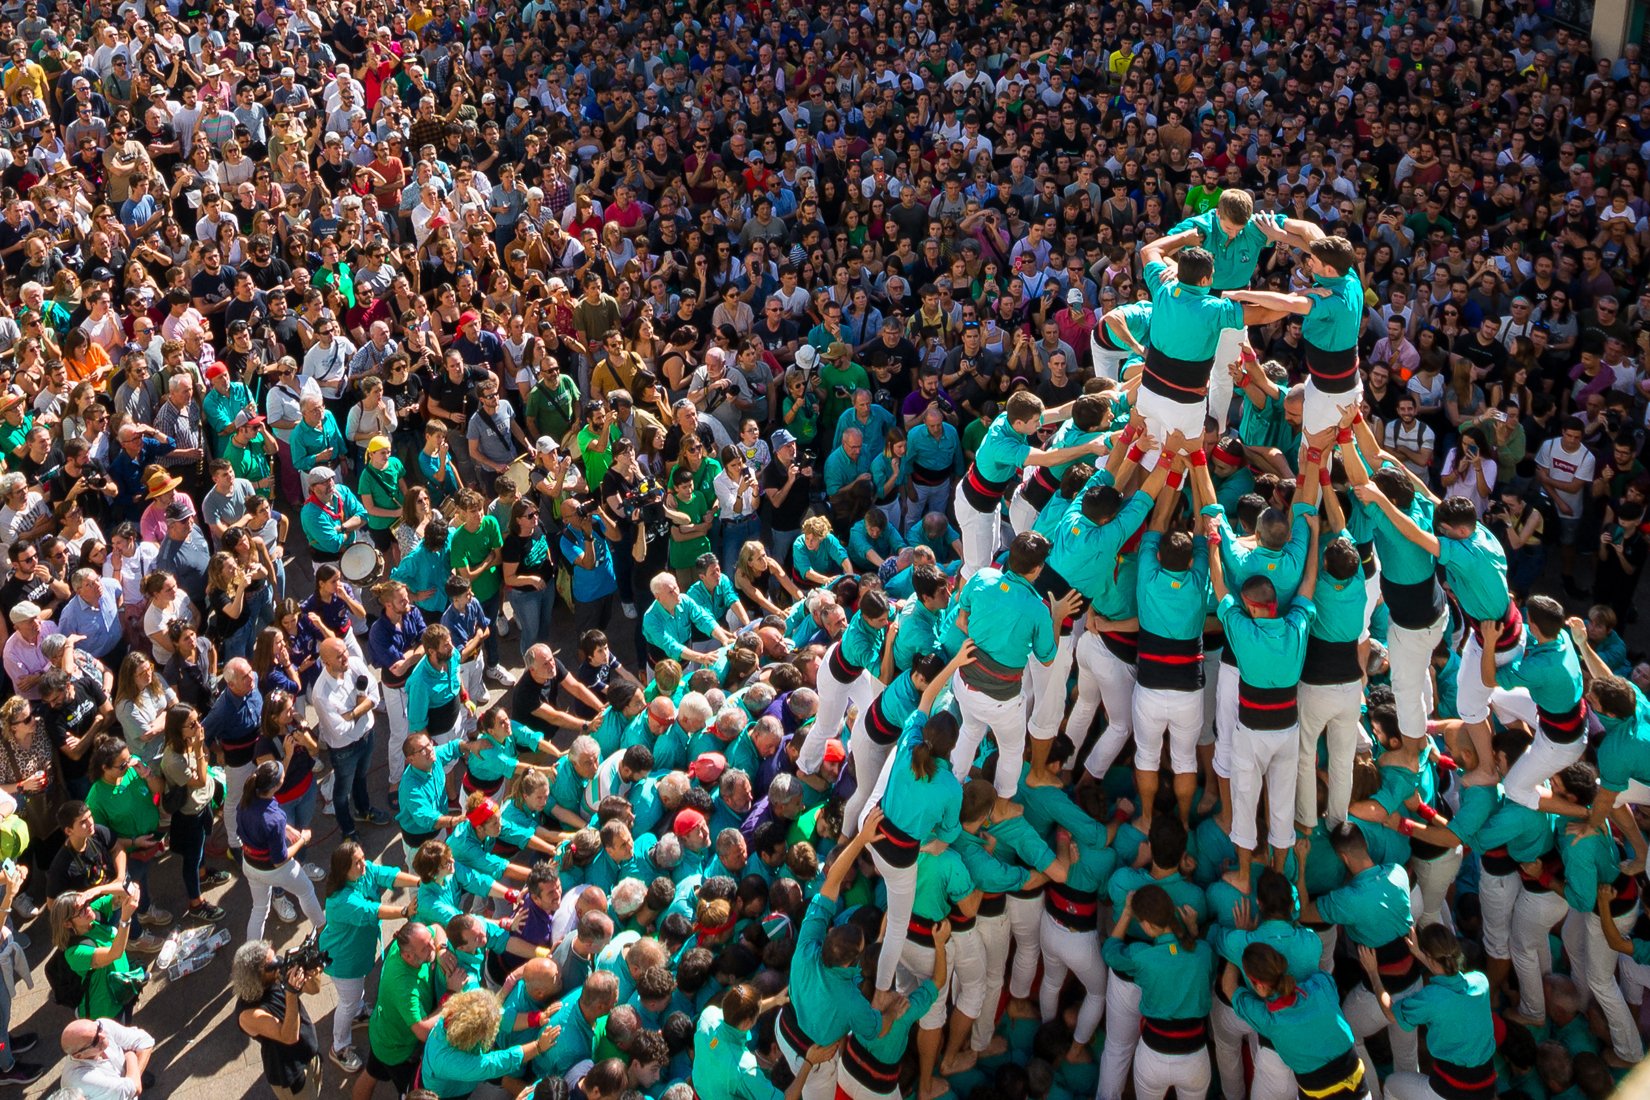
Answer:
[(1370, 493), (1164, 247)]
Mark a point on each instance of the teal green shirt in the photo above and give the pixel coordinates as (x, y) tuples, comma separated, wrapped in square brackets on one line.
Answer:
[(1301, 948), (724, 1066), (1265, 425), (938, 456), (1090, 555), (1002, 453), (1624, 754), (919, 633), (1340, 605), (1477, 804), (827, 1000), (1284, 567), (1172, 604), (1270, 652), (861, 644), (1174, 978), (1235, 257), (1186, 319), (1333, 322), (1526, 834), (1455, 1010), (1588, 861), (718, 602), (1008, 621), (942, 881), (826, 561), (1402, 562), (1477, 571), (1308, 1032), (861, 544), (671, 630), (450, 1072), (1549, 671), (921, 808), (1126, 880), (352, 931), (1373, 907)]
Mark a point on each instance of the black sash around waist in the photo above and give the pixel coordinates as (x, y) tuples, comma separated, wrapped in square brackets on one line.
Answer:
[(1184, 381)]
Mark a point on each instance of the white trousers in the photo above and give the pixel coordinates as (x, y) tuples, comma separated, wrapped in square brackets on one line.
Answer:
[(1534, 914), (1021, 512), (1179, 714), (1069, 952), (1321, 410), (351, 997), (994, 935), (1103, 679), (1156, 1073), (234, 782), (1472, 694), (1272, 1080), (1409, 652), (834, 700), (1497, 894), (1163, 418), (982, 535), (916, 965), (1434, 877), (1048, 690), (1269, 757), (1230, 1034), (1329, 711), (1006, 718), (902, 888), (1122, 1033), (1226, 716), (1635, 979), (1108, 363), (869, 758), (395, 713), (1592, 958), (822, 1079), (1363, 1014), (290, 877), (1025, 919), (1543, 759)]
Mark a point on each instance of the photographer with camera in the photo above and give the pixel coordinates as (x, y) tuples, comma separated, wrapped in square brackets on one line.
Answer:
[(785, 483), (268, 993), (587, 537)]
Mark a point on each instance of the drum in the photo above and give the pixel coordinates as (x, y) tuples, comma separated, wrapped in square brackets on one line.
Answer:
[(360, 563), (517, 475)]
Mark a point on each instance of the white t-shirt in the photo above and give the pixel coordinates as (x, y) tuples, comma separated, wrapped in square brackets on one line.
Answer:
[(1567, 465)]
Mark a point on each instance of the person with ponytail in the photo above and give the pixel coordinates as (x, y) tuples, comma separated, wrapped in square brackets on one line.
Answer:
[(1174, 971), (269, 846), (919, 797), (498, 740), (526, 796), (1298, 1020), (474, 839), (1454, 1006), (1274, 925), (355, 910)]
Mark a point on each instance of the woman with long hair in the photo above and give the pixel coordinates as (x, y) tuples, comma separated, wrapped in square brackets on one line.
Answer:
[(284, 738), (236, 600), (189, 791), (165, 602), (739, 492), (1454, 1006), (921, 801), (125, 798), (330, 607), (356, 910), (415, 513), (269, 846), (92, 932), (529, 573), (757, 575), (1298, 1020), (29, 773), (272, 661), (1174, 970), (141, 699)]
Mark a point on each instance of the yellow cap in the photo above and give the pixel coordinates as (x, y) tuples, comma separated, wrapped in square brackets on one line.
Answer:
[(378, 443)]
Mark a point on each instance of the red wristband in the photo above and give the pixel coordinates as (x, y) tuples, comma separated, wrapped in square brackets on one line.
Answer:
[(513, 897), (1323, 477), (1408, 827), (1344, 436), (1314, 455), (1199, 457), (1358, 417), (1447, 762), (535, 1019), (1119, 815), (1427, 812), (1135, 454), (1176, 479)]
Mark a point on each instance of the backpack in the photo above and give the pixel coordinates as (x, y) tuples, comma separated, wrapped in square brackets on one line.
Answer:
[(67, 984)]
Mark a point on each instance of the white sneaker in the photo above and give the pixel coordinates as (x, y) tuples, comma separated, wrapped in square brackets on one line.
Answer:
[(314, 873), (628, 608), (285, 910), (346, 1060), (156, 917), (498, 676), (501, 626)]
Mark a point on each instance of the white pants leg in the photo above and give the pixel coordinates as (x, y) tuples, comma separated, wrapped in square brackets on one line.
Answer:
[(351, 996), (395, 713), (834, 699), (1006, 718), (1321, 410), (1230, 1033), (1363, 1014), (1066, 951), (1435, 877), (1330, 711), (902, 886), (1179, 714), (1021, 512), (1048, 690), (1266, 757), (1122, 1033), (821, 1082), (1592, 959), (1108, 363), (1155, 1074), (966, 954), (1409, 1086), (1635, 979), (1273, 1080), (1025, 919), (1542, 760), (290, 877), (994, 935), (868, 757), (1497, 894), (1163, 417), (1103, 679), (916, 965), (1534, 915), (1410, 654), (1226, 717), (1472, 694), (981, 533), (234, 782), (1228, 349)]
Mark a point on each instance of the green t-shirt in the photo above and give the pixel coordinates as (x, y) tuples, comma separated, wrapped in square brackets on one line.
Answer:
[(12, 436), (129, 808), (470, 548), (683, 554), (840, 384), (383, 489), (248, 462), (406, 995), (103, 984)]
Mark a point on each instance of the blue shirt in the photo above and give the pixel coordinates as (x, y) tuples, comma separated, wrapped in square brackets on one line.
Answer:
[(388, 643), (233, 721), (426, 570), (600, 580), (100, 625)]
